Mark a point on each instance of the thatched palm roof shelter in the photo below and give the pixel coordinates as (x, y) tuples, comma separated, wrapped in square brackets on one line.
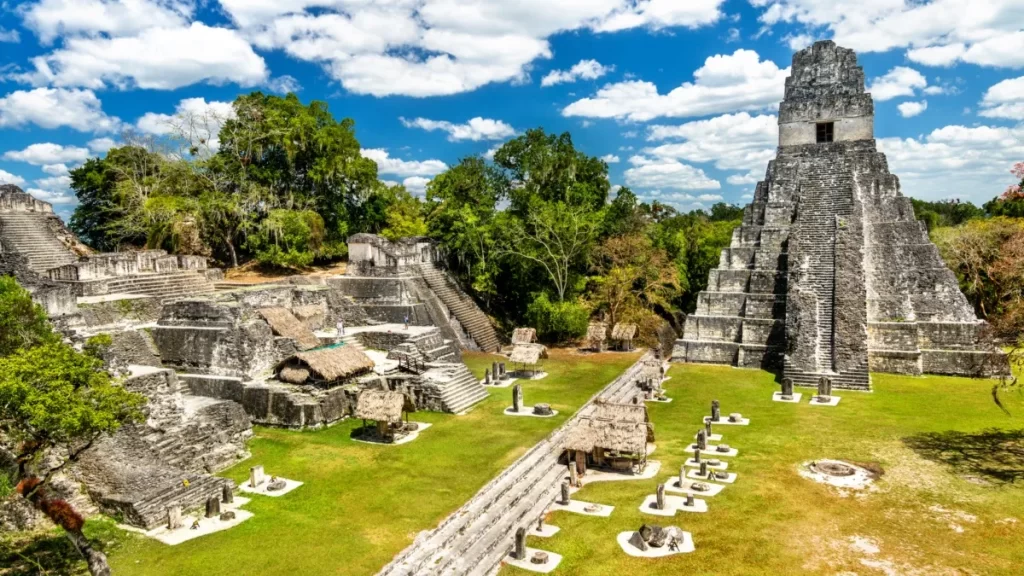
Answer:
[(325, 366), (622, 429), (528, 354), (524, 336), (284, 323), (380, 406), (597, 334)]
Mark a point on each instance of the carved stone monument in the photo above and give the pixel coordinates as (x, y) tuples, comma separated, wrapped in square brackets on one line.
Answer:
[(256, 476), (716, 411), (227, 496), (565, 493), (661, 497), (517, 398), (702, 440), (787, 388), (174, 517), (487, 377), (519, 552), (212, 507)]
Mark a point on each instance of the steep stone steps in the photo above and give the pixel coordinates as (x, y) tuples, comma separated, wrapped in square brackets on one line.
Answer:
[(152, 511), (465, 310), (463, 391), (474, 539), (29, 234), (164, 286)]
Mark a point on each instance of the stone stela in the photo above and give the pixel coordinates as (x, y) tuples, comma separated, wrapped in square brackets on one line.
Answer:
[(830, 274)]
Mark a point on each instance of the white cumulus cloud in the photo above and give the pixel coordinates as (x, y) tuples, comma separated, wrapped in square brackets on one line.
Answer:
[(101, 145), (900, 81), (476, 129), (52, 18), (403, 168), (936, 32), (972, 163), (611, 159), (663, 173), (416, 185), (8, 178), (47, 153), (583, 70), (54, 108), (1004, 100), (155, 58), (725, 83), (911, 109)]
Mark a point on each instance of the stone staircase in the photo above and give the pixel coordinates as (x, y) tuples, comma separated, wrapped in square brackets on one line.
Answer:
[(152, 511), (476, 538), (434, 348), (29, 234), (163, 286), (460, 390), (465, 310)]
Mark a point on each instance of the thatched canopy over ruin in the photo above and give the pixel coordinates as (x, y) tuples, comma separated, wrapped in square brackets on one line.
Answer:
[(623, 331), (284, 323), (325, 365), (524, 336), (597, 333), (619, 435), (380, 405), (528, 354)]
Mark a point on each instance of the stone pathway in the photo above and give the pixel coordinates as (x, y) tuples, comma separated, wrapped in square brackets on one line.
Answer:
[(476, 538)]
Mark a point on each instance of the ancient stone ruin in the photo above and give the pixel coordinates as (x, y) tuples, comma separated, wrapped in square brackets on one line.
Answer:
[(212, 361), (830, 274)]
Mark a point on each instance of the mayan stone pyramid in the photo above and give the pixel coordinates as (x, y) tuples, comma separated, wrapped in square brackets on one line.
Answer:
[(830, 274)]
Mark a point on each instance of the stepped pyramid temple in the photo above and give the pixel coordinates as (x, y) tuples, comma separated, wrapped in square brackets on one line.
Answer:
[(214, 357), (830, 275)]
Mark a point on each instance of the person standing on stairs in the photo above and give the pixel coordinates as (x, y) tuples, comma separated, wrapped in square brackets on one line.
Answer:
[(341, 327), (406, 320)]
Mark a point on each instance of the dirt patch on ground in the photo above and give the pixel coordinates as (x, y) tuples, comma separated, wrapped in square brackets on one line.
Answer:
[(860, 555), (252, 273)]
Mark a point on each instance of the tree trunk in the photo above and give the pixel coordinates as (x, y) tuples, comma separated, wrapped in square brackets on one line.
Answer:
[(234, 256), (96, 560)]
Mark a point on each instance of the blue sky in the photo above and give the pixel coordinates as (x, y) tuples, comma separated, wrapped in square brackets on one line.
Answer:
[(679, 95)]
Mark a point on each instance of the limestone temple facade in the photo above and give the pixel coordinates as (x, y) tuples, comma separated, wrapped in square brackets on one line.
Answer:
[(830, 275)]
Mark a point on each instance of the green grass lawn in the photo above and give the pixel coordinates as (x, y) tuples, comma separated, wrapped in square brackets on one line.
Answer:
[(947, 502), (362, 504)]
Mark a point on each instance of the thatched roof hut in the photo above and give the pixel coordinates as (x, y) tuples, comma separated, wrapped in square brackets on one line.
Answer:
[(597, 333), (623, 331), (380, 406), (524, 336), (284, 323), (528, 354), (619, 435), (324, 366)]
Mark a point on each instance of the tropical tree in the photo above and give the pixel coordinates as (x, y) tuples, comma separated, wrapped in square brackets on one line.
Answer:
[(632, 276), (55, 404)]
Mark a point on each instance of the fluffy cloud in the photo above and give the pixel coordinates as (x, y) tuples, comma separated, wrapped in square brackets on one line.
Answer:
[(155, 58), (732, 141), (611, 159), (662, 173), (8, 178), (416, 185), (101, 145), (938, 32), (476, 129), (57, 198), (900, 81), (725, 83), (439, 47), (55, 183), (1004, 100), (972, 163), (54, 108), (52, 18), (911, 109), (194, 119), (583, 70), (48, 153), (55, 169), (403, 168), (657, 14)]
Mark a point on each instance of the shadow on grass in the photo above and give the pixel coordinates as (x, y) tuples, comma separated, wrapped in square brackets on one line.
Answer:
[(39, 554), (993, 455)]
